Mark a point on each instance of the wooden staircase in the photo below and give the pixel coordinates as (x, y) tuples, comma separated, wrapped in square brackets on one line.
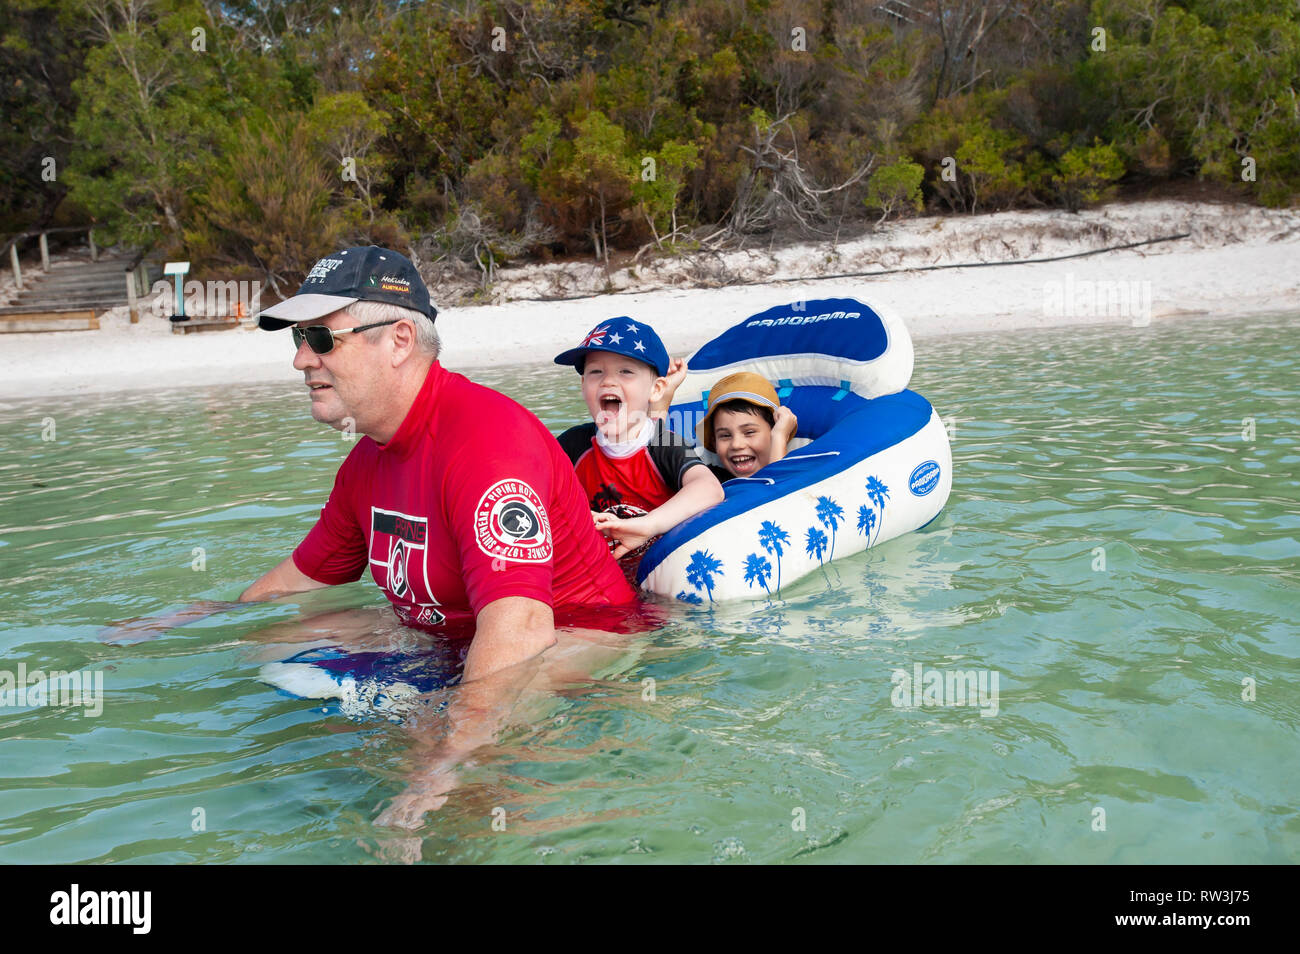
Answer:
[(70, 296)]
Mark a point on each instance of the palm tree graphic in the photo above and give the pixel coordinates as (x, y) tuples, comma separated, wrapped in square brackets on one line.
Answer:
[(866, 520), (770, 536), (700, 571), (758, 568), (830, 514), (877, 493), (816, 544)]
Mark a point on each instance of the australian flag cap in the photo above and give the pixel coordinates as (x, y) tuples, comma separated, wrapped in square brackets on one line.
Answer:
[(632, 339), (364, 273)]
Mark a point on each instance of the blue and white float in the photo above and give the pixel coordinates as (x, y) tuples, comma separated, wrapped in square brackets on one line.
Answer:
[(870, 461), (362, 684)]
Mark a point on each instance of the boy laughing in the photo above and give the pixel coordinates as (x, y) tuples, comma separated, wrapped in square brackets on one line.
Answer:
[(640, 477)]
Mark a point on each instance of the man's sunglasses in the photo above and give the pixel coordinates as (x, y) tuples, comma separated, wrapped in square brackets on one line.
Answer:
[(321, 339)]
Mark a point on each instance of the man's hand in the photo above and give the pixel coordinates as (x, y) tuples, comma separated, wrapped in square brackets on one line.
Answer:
[(139, 629), (283, 579), (427, 792)]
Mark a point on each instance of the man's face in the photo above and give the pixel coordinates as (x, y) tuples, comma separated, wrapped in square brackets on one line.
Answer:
[(618, 392), (342, 382)]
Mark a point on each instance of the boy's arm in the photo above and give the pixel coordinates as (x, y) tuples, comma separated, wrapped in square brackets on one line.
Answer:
[(700, 491), (783, 429), (676, 375)]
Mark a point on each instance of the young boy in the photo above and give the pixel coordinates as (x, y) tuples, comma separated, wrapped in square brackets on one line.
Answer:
[(745, 425), (640, 478)]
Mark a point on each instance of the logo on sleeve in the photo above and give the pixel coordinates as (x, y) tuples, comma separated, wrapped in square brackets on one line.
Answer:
[(511, 523)]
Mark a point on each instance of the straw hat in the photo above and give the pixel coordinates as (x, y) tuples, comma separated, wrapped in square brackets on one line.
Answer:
[(741, 386)]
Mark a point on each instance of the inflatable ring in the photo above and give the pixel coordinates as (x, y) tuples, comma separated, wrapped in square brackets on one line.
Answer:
[(870, 461)]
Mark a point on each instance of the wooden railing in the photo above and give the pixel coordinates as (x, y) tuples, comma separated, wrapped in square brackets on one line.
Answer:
[(11, 247), (136, 276)]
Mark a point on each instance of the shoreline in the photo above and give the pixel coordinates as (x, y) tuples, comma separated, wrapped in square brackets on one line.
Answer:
[(1238, 261)]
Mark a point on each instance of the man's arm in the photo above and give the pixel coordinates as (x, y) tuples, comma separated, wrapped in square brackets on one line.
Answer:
[(280, 580), (283, 579), (510, 636)]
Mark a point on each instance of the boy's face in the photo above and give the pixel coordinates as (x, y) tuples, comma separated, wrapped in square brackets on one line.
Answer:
[(743, 441), (619, 392)]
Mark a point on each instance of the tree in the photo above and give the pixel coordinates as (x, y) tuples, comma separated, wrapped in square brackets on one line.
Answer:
[(345, 128), (272, 205), (1216, 83), (758, 570), (962, 26), (41, 52), (657, 193), (150, 116)]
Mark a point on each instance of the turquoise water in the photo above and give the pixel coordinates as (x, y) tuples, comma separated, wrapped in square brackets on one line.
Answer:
[(770, 735)]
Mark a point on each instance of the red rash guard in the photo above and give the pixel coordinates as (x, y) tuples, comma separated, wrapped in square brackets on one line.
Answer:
[(644, 480), (472, 500)]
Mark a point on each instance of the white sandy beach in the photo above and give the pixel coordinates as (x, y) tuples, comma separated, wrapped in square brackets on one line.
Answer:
[(1237, 261)]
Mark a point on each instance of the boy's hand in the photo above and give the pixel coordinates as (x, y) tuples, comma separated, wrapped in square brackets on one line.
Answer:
[(676, 375), (628, 534), (785, 423)]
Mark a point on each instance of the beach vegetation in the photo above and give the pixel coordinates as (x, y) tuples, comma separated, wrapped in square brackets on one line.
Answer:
[(510, 130)]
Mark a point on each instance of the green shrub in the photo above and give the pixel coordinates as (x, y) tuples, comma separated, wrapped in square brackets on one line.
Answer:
[(895, 186), (1084, 173)]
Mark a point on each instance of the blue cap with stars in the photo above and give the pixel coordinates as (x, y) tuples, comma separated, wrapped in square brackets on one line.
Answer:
[(623, 336)]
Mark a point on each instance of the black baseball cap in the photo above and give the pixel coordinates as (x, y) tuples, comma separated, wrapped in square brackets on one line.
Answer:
[(364, 273)]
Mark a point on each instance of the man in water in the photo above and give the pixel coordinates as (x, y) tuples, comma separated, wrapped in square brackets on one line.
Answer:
[(458, 500)]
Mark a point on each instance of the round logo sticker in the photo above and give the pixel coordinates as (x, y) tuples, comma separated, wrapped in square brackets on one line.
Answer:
[(924, 479), (511, 523)]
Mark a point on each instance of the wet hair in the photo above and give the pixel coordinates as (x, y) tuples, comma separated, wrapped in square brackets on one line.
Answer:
[(745, 407)]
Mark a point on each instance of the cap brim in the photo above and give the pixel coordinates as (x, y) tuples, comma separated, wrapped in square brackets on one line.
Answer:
[(747, 396), (300, 308), (574, 355), (704, 429)]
